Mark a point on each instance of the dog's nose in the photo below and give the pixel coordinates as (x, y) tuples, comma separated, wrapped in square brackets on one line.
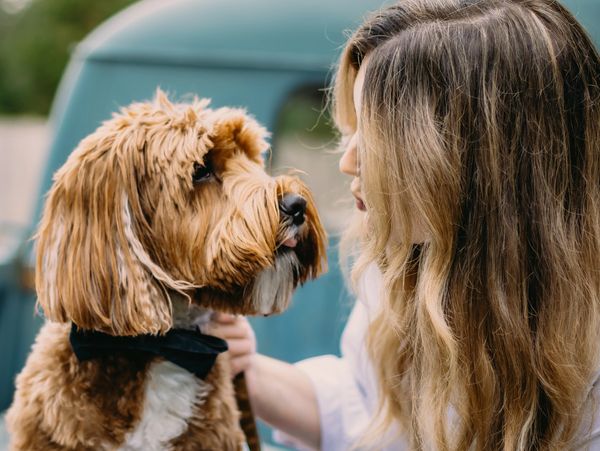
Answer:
[(294, 206)]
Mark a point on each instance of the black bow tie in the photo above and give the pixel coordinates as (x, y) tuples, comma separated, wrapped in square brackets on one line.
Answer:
[(188, 349)]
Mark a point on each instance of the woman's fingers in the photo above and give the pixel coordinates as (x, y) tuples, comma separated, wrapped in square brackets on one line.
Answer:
[(238, 333), (231, 331), (224, 318), (240, 364), (241, 347)]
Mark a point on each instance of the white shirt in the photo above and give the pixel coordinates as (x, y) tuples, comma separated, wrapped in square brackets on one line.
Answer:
[(346, 388)]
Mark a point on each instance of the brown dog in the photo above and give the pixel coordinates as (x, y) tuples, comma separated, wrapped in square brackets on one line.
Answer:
[(161, 216)]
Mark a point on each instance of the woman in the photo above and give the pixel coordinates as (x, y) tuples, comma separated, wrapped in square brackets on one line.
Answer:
[(474, 143)]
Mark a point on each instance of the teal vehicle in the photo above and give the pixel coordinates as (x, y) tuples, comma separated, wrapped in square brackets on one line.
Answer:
[(260, 55)]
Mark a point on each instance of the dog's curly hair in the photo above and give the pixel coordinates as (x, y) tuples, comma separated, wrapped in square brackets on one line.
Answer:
[(161, 216)]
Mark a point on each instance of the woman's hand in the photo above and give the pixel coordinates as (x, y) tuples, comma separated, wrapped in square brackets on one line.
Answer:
[(274, 386), (240, 338)]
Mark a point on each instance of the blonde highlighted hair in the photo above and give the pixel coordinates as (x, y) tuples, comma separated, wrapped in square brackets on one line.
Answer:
[(480, 119)]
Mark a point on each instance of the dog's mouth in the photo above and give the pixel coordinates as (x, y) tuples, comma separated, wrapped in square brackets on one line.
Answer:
[(290, 242), (290, 236), (270, 291), (272, 288)]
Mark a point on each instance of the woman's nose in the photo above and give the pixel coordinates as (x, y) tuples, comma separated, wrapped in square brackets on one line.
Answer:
[(349, 159)]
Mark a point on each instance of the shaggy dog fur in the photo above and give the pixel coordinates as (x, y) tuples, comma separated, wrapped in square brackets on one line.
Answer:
[(160, 217)]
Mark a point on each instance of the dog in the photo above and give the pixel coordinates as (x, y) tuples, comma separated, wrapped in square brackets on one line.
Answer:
[(159, 218)]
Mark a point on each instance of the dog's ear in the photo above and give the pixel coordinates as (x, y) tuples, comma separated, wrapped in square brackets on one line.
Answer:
[(234, 128), (91, 267)]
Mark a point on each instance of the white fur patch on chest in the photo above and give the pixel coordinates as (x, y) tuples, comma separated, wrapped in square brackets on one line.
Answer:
[(170, 397)]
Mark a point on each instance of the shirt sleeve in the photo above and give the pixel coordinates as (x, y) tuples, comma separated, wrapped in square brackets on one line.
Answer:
[(342, 411), (590, 440), (339, 389), (345, 387)]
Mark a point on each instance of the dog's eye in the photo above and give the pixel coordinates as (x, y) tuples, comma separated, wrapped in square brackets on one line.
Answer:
[(202, 172)]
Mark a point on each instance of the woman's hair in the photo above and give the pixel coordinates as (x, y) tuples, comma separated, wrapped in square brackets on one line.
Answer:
[(480, 120)]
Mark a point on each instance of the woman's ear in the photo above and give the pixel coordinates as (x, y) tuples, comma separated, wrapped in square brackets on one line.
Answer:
[(90, 264)]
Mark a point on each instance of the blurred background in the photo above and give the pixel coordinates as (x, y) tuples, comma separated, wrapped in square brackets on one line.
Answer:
[(65, 65), (36, 38)]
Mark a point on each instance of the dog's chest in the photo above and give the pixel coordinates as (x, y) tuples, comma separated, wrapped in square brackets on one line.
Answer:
[(171, 397)]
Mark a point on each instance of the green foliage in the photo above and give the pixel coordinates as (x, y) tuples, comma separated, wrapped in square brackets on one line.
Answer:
[(35, 44)]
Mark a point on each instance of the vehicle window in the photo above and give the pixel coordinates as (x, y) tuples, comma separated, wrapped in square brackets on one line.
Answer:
[(304, 138)]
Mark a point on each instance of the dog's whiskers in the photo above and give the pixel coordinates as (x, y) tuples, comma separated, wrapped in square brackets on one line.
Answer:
[(273, 287)]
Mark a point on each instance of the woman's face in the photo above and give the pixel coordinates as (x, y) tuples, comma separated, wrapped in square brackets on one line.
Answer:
[(349, 163)]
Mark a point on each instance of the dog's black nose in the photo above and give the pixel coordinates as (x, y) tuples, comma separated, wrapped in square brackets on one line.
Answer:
[(293, 205)]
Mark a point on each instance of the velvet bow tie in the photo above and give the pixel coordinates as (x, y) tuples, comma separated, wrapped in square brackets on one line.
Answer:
[(188, 349)]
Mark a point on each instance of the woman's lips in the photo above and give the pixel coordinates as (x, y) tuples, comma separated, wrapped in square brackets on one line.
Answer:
[(355, 189), (360, 204)]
